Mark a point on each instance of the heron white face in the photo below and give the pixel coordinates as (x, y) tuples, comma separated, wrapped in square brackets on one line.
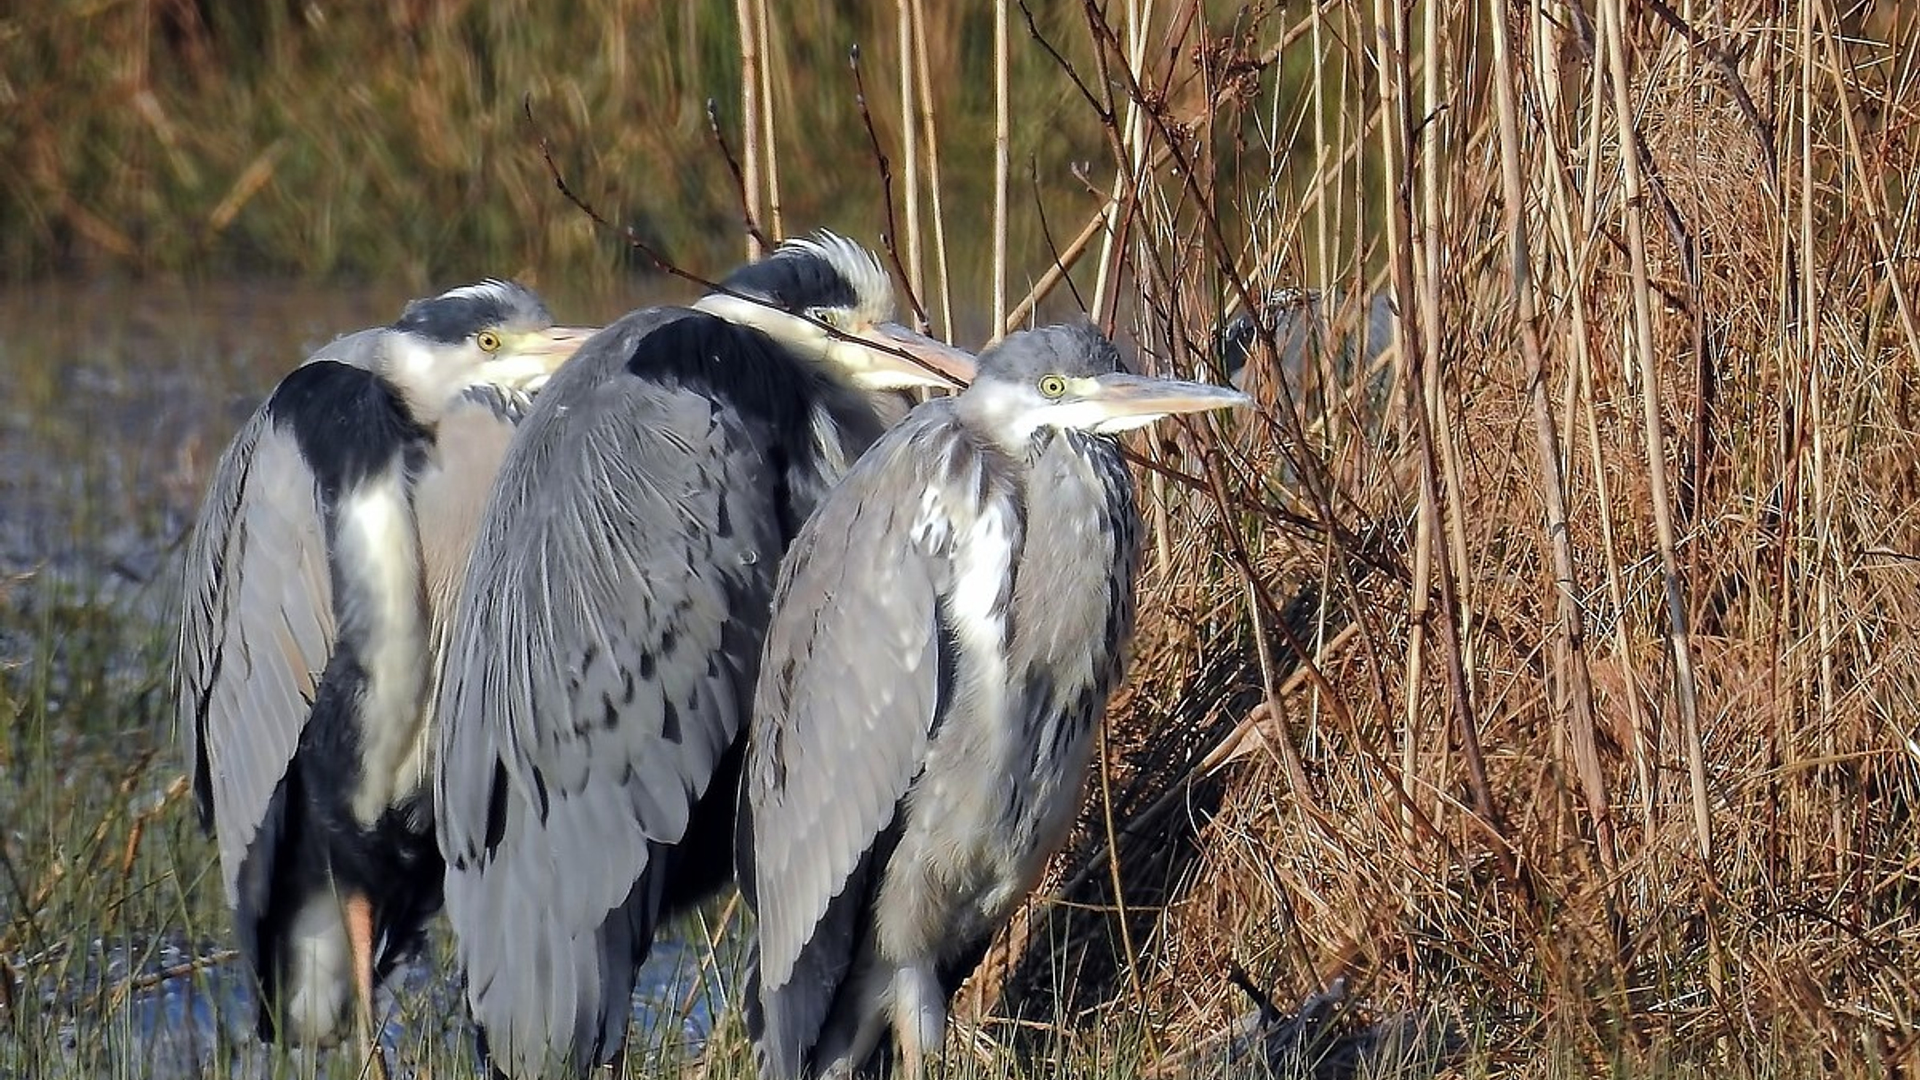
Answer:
[(1066, 378), (433, 374), (1115, 402), (492, 333), (884, 355), (828, 298)]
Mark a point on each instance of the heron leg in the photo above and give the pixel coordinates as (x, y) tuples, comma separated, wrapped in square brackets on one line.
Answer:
[(359, 911), (919, 1018)]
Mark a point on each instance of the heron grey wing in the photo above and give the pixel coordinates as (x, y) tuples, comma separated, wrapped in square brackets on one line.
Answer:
[(255, 631), (360, 349), (854, 676), (600, 665)]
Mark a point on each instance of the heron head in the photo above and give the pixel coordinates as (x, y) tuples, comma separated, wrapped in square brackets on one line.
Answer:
[(492, 332), (1070, 378), (828, 298)]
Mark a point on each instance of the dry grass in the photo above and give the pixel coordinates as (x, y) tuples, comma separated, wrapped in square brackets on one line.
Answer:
[(181, 138)]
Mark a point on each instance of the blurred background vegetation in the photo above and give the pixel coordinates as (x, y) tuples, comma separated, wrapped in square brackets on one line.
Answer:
[(332, 141)]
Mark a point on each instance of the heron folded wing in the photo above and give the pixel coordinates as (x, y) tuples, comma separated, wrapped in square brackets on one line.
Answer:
[(856, 674), (599, 666), (255, 631)]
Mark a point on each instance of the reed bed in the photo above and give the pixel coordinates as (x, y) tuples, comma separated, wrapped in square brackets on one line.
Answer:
[(200, 139), (1542, 675), (1527, 689)]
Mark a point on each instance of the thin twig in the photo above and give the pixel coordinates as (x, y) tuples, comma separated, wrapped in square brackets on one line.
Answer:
[(1729, 72), (134, 984), (1053, 249), (667, 265), (757, 240), (1102, 112), (886, 186), (749, 179)]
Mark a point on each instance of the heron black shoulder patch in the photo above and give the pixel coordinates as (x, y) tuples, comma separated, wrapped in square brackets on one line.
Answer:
[(346, 422), (737, 366)]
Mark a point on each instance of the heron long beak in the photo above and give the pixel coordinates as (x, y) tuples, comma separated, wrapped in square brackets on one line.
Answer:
[(1125, 401), (926, 361), (557, 343), (530, 357)]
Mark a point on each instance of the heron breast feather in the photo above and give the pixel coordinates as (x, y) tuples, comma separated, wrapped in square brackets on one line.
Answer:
[(379, 560)]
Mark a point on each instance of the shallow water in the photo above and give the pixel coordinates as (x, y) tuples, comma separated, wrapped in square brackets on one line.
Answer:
[(183, 1023)]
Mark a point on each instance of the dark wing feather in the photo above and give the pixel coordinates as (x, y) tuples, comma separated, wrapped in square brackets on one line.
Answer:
[(600, 664)]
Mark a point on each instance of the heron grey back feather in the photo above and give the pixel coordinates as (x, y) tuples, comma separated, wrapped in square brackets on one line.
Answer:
[(212, 622)]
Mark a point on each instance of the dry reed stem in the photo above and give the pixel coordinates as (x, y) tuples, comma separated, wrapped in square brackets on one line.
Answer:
[(1535, 499), (1575, 688), (1002, 163), (1390, 21), (1276, 797), (747, 19), (769, 118), (910, 155), (925, 97), (1678, 640)]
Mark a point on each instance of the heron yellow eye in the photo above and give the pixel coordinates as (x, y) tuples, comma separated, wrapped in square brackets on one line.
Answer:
[(488, 340), (1052, 386)]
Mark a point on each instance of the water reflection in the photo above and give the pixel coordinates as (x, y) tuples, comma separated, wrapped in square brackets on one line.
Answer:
[(181, 1012)]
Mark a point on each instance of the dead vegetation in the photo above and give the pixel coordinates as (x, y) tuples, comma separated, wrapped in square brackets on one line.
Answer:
[(1556, 681)]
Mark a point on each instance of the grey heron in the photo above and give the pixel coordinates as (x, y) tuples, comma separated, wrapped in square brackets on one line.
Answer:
[(946, 632), (324, 558), (1304, 322), (602, 660)]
